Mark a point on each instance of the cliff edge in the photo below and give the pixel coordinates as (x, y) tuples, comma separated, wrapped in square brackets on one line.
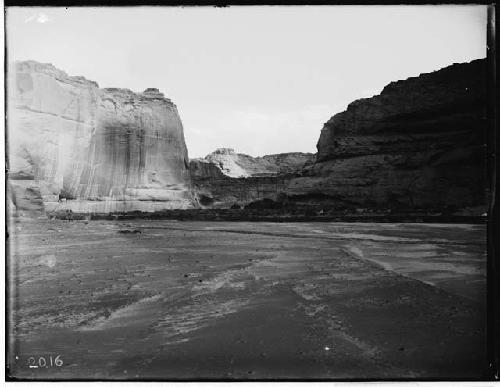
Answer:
[(420, 144), (73, 145)]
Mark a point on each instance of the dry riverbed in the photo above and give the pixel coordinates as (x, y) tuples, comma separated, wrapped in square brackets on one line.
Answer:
[(196, 300)]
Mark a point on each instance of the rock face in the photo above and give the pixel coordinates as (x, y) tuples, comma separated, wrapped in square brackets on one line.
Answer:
[(225, 178), (240, 165), (419, 144), (88, 149)]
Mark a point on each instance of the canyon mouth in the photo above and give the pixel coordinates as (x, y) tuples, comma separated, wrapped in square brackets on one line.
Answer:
[(418, 148), (127, 260)]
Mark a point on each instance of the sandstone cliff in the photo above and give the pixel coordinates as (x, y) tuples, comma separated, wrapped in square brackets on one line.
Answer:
[(224, 178), (419, 144), (88, 149)]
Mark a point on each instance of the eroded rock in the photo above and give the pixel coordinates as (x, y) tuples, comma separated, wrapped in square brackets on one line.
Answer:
[(94, 150), (224, 178), (421, 143)]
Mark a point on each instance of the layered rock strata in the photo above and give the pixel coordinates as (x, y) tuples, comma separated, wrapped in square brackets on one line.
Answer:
[(225, 178), (89, 149), (234, 164), (421, 143)]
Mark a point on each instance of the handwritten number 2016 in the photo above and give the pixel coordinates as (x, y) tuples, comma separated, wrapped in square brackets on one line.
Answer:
[(42, 362)]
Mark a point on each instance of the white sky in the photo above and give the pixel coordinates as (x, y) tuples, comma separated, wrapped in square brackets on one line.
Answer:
[(260, 80)]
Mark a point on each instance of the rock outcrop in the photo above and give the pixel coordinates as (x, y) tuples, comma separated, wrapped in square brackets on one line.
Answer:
[(234, 164), (225, 178), (88, 149), (421, 143)]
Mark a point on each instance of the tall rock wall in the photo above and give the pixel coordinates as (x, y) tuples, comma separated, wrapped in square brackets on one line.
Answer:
[(90, 149), (421, 143)]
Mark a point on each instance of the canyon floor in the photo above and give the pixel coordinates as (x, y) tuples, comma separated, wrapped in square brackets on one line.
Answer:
[(230, 300)]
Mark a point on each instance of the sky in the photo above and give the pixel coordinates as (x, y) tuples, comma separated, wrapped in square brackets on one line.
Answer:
[(261, 80)]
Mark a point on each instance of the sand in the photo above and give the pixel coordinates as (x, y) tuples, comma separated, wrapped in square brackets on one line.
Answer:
[(231, 300)]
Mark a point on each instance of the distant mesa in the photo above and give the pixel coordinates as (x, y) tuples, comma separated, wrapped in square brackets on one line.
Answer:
[(225, 179), (234, 164)]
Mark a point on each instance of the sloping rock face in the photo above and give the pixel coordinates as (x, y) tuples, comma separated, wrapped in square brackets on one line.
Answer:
[(290, 162), (240, 165), (93, 150), (225, 178), (419, 144)]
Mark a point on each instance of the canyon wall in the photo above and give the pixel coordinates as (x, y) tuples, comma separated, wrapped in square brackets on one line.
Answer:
[(72, 145), (420, 144), (225, 178)]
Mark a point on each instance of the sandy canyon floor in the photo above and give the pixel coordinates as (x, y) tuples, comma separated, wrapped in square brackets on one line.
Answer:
[(195, 300)]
